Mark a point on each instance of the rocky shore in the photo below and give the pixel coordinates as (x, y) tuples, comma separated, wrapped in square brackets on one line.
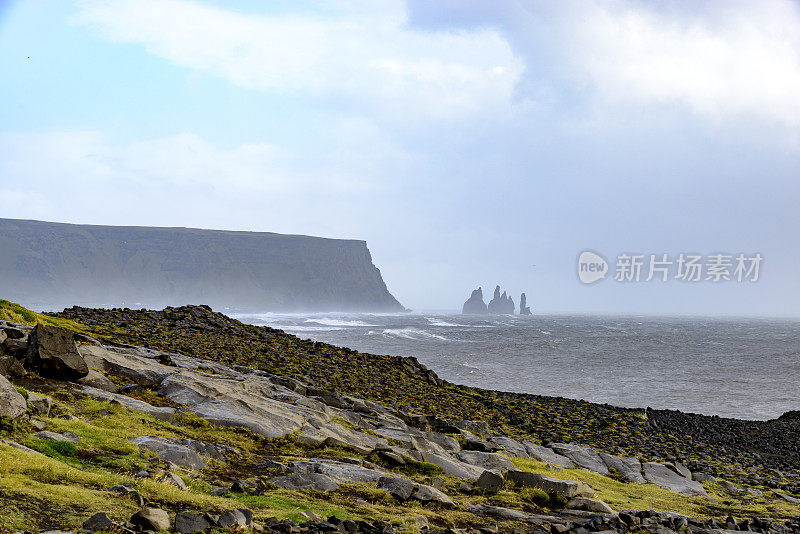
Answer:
[(187, 420)]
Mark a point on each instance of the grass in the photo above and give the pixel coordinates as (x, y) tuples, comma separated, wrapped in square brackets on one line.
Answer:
[(11, 311), (68, 483), (628, 496)]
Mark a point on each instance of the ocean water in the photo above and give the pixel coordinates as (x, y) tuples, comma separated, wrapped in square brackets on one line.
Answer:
[(743, 368)]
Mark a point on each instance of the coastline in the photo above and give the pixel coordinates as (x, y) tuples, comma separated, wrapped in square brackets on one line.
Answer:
[(380, 439), (707, 441)]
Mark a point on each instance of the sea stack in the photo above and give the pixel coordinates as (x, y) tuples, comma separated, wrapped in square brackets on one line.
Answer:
[(475, 304), (500, 304), (523, 308)]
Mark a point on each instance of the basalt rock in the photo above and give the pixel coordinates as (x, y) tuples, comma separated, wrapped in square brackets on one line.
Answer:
[(12, 404), (52, 351), (523, 305), (475, 304), (500, 304)]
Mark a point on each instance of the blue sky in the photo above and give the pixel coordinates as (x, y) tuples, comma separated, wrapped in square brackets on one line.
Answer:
[(469, 143)]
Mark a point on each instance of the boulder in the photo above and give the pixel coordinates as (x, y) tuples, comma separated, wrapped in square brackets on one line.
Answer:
[(681, 469), (341, 472), (10, 367), (547, 455), (315, 481), (186, 523), (703, 477), (399, 488), (12, 404), (39, 405), (452, 467), (235, 518), (511, 446), (486, 460), (98, 380), (589, 505), (490, 482), (16, 348), (566, 488), (476, 427), (99, 521), (474, 304), (664, 477), (174, 480), (629, 468), (425, 494), (475, 443), (170, 451), (52, 351), (583, 457), (151, 519)]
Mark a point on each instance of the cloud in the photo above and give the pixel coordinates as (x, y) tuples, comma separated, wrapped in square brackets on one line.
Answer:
[(729, 60), (185, 179), (366, 55), (722, 61)]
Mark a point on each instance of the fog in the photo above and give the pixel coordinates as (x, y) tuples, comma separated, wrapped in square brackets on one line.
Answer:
[(469, 146)]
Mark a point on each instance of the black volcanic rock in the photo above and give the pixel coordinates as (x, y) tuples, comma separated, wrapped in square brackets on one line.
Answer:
[(475, 304), (500, 304), (52, 351), (523, 305), (52, 265)]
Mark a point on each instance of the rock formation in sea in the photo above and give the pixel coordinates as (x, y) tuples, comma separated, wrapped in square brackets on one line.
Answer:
[(475, 304), (524, 309), (52, 265), (500, 304)]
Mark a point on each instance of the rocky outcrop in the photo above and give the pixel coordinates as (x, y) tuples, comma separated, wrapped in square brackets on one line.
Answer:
[(500, 304), (12, 404), (52, 265), (523, 305), (52, 352), (475, 303)]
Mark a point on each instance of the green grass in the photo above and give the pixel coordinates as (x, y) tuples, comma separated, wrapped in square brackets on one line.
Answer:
[(11, 311), (628, 496)]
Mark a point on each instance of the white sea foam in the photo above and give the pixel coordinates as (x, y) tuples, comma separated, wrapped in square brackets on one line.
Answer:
[(438, 322), (406, 333), (337, 322)]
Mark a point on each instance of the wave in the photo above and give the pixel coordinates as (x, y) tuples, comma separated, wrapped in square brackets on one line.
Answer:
[(406, 333), (337, 322), (298, 328), (438, 322)]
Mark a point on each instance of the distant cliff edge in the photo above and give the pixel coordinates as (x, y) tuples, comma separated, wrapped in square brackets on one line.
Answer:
[(54, 265)]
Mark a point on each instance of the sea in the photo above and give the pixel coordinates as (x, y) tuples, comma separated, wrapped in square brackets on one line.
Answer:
[(730, 367)]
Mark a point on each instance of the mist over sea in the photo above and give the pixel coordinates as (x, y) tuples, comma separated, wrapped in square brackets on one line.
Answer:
[(743, 368)]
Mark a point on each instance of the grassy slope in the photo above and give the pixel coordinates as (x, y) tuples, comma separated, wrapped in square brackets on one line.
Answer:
[(385, 379), (11, 311), (64, 488)]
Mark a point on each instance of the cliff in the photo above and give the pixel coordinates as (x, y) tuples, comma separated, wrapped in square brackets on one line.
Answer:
[(53, 265)]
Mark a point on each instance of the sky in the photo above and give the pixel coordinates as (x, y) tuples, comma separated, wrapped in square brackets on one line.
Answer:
[(470, 143)]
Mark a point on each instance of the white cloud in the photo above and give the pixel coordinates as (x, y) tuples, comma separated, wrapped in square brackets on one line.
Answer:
[(187, 180), (723, 60), (368, 55)]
